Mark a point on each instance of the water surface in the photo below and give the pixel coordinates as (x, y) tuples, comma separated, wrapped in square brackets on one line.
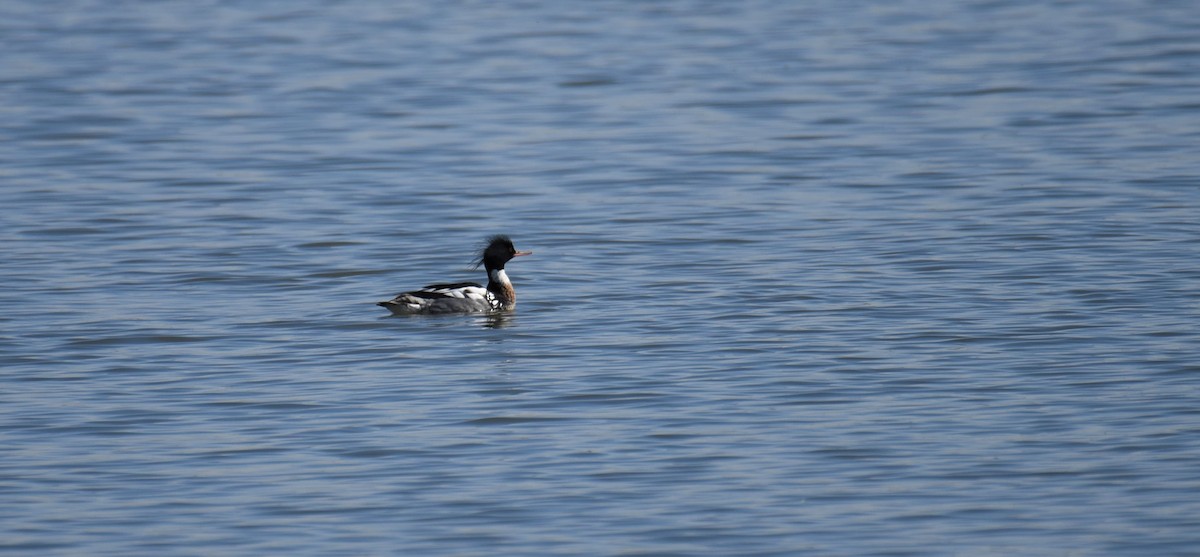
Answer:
[(810, 279)]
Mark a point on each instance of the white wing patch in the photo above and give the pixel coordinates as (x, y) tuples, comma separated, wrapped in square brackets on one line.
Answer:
[(448, 298), (466, 292)]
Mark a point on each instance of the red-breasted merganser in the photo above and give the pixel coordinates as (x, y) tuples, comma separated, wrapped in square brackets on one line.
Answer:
[(465, 297)]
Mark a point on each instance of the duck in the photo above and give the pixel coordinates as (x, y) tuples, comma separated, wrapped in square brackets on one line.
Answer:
[(466, 297)]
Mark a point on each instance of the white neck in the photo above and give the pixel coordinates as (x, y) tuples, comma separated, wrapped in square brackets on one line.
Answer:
[(498, 276)]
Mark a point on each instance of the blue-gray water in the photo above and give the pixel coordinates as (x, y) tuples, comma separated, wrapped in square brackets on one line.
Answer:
[(811, 278)]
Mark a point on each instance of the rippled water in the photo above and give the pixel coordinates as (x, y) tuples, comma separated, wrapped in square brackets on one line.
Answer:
[(825, 278)]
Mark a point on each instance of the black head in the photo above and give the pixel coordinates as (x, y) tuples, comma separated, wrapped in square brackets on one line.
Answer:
[(499, 250)]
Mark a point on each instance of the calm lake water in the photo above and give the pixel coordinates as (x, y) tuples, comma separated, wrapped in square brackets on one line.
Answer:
[(811, 278)]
